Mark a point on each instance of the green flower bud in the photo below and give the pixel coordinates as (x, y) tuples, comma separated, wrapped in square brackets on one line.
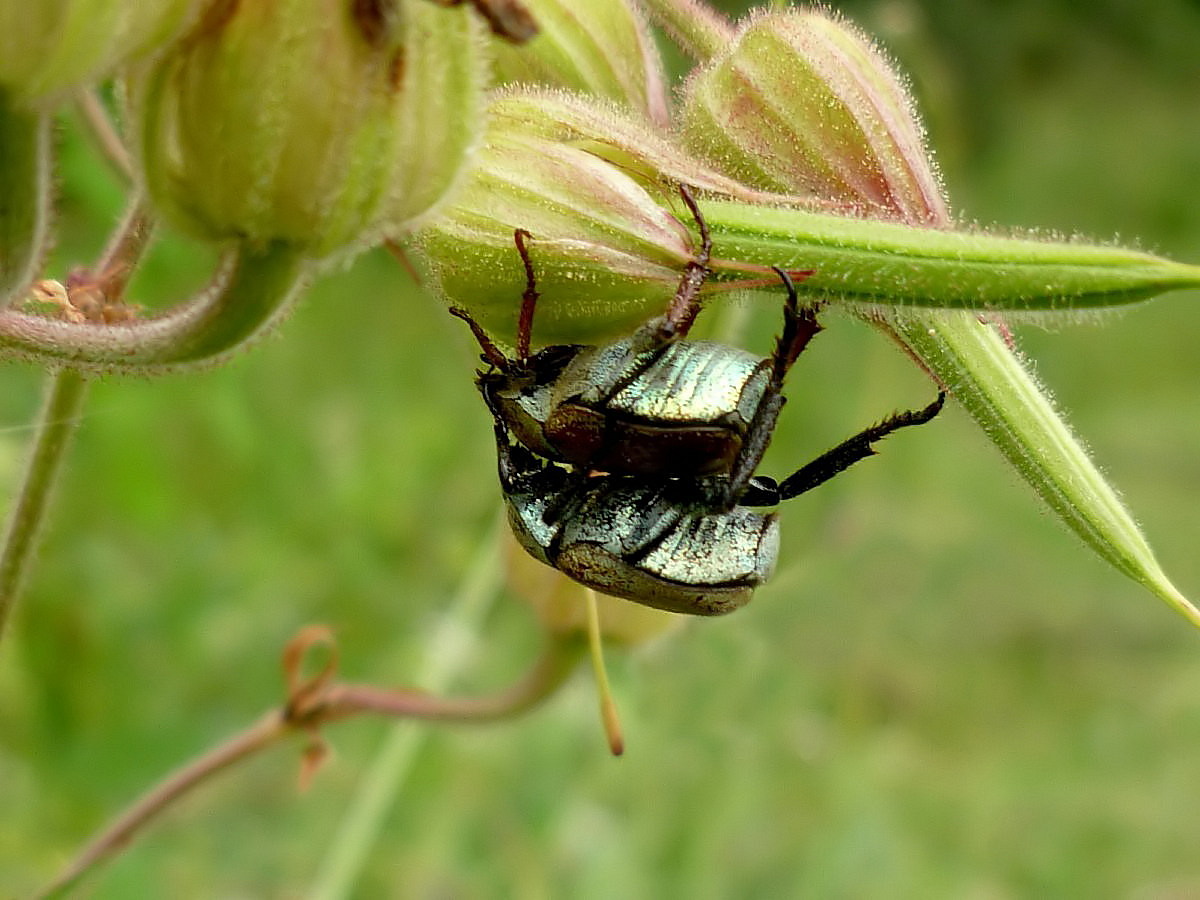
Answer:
[(610, 237), (597, 191), (803, 104), (25, 186), (603, 48), (50, 47), (439, 114), (320, 123), (596, 233)]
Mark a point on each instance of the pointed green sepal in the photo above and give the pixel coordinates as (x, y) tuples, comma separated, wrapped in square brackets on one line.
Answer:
[(891, 264), (972, 358)]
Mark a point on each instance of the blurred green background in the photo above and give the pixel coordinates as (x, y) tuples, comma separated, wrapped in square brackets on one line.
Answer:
[(942, 693)]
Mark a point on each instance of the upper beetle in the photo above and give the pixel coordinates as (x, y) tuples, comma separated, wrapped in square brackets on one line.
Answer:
[(648, 404)]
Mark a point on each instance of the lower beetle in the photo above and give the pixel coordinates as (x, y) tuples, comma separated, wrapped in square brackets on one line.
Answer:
[(650, 404), (671, 543)]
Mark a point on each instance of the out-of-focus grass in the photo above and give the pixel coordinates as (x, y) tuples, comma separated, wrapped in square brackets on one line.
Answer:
[(941, 694)]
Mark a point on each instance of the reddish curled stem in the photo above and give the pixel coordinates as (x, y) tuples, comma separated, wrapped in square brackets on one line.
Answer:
[(313, 702), (268, 730)]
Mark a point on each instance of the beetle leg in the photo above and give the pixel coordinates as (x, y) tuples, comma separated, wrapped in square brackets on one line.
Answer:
[(528, 299), (761, 490), (799, 327), (685, 306), (650, 340), (854, 449)]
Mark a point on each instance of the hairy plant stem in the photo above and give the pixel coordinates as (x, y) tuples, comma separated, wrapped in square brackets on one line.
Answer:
[(66, 392), (696, 28), (892, 264), (124, 250), (59, 417), (253, 290), (108, 140)]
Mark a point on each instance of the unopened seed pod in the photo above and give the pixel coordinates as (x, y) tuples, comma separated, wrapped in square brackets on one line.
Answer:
[(322, 123)]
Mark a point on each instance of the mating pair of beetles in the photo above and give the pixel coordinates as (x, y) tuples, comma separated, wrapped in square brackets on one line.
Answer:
[(630, 467)]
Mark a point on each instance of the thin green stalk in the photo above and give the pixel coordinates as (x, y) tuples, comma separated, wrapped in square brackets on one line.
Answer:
[(24, 191), (988, 379), (65, 395), (59, 418), (445, 653), (105, 134)]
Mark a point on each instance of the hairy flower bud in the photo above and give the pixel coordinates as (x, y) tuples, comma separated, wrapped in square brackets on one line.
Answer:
[(51, 47), (606, 255), (598, 193), (316, 122), (441, 71), (603, 48), (801, 103)]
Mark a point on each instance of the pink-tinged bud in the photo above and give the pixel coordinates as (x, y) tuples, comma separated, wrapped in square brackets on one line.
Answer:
[(597, 190), (51, 47), (602, 48), (320, 123), (606, 255), (803, 103)]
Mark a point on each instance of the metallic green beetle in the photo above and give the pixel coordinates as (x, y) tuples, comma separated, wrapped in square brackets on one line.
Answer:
[(677, 428)]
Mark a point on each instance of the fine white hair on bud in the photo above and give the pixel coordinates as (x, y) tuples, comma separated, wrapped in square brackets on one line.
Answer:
[(50, 48), (603, 48), (803, 103)]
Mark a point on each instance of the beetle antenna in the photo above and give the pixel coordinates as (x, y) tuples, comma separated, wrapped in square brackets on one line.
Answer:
[(528, 299), (491, 353), (686, 304)]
